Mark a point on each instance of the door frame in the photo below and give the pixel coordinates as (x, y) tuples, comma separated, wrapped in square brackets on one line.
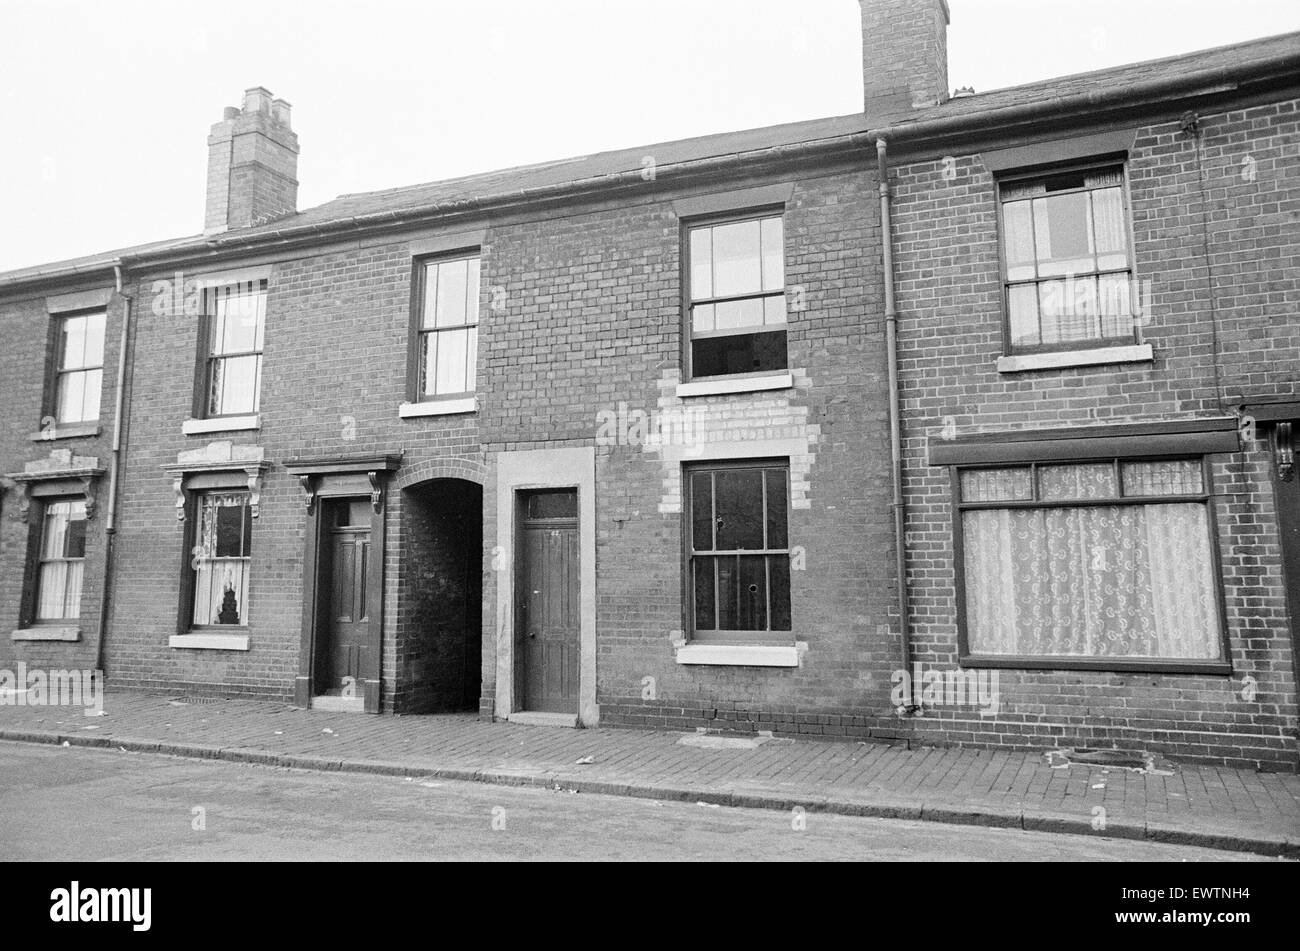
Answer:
[(523, 471), (341, 477)]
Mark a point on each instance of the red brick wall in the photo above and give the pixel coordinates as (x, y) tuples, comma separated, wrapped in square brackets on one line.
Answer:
[(949, 296)]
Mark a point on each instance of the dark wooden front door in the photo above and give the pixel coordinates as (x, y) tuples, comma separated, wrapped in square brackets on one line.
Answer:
[(345, 562), (1286, 492), (548, 618)]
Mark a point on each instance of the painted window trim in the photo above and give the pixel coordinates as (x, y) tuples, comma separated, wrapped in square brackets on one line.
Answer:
[(204, 641), (1063, 359), (442, 407), (221, 424), (721, 386)]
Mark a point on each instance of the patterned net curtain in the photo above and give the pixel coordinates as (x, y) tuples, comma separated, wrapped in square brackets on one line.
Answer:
[(1090, 581), (221, 560)]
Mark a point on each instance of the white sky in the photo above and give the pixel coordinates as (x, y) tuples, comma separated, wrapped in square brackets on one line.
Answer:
[(107, 105)]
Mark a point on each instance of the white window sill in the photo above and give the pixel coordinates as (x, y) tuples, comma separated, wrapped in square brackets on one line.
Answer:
[(209, 642), (226, 424), (50, 633), (1134, 353), (739, 655), (67, 431), (750, 384), (438, 408)]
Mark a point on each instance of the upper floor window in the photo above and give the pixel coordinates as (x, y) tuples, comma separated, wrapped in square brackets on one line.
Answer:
[(736, 297), (447, 301), (739, 553), (232, 356), (61, 560), (1068, 265), (79, 368)]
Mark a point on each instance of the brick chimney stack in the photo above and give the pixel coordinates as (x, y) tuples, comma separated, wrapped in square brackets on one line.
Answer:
[(904, 55), (252, 164)]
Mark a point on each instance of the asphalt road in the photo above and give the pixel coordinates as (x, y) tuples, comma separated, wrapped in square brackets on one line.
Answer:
[(72, 804)]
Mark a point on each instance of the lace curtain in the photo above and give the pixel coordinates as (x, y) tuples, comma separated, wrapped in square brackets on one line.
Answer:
[(221, 563), (1090, 581)]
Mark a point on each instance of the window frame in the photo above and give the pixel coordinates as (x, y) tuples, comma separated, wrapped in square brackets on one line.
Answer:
[(36, 547), (206, 357), (417, 330), (1208, 497), (765, 638), (1038, 173), (735, 216), (189, 574), (57, 371)]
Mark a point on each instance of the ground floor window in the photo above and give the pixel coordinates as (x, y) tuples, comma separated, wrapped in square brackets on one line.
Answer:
[(1106, 559), (739, 551), (221, 559), (62, 560)]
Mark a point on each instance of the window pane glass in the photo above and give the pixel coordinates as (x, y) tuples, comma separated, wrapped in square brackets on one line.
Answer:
[(74, 545), (1068, 309), (1108, 222), (428, 362), (1092, 481), (774, 311), (1018, 242), (751, 602), (453, 348), (733, 314), (94, 382), (223, 547), (1114, 305), (1176, 477), (701, 263), (739, 506), (728, 594), (704, 594), (1022, 302), (739, 353), (995, 485), (560, 504), (234, 385), (1063, 237), (471, 360), (702, 511), (74, 342), (453, 279), (773, 238), (736, 259), (57, 516), (779, 581), (702, 318), (71, 398), (429, 306), (94, 355), (1103, 581), (776, 508), (237, 326)]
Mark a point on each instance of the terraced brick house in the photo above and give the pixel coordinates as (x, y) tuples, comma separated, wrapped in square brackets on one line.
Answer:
[(966, 419)]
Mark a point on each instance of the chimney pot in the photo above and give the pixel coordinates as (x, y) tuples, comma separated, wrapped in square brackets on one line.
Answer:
[(252, 164)]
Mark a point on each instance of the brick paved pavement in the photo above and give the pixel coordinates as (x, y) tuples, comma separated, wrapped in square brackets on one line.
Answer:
[(1202, 805)]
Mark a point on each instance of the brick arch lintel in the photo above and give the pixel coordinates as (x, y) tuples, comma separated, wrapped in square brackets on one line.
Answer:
[(452, 467)]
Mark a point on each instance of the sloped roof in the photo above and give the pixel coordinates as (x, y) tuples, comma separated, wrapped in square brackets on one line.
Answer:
[(1242, 58)]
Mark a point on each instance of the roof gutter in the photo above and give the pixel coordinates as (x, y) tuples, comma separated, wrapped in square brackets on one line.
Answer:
[(1222, 79)]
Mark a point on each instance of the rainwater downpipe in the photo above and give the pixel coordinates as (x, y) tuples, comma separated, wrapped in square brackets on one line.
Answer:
[(114, 468), (895, 429)]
